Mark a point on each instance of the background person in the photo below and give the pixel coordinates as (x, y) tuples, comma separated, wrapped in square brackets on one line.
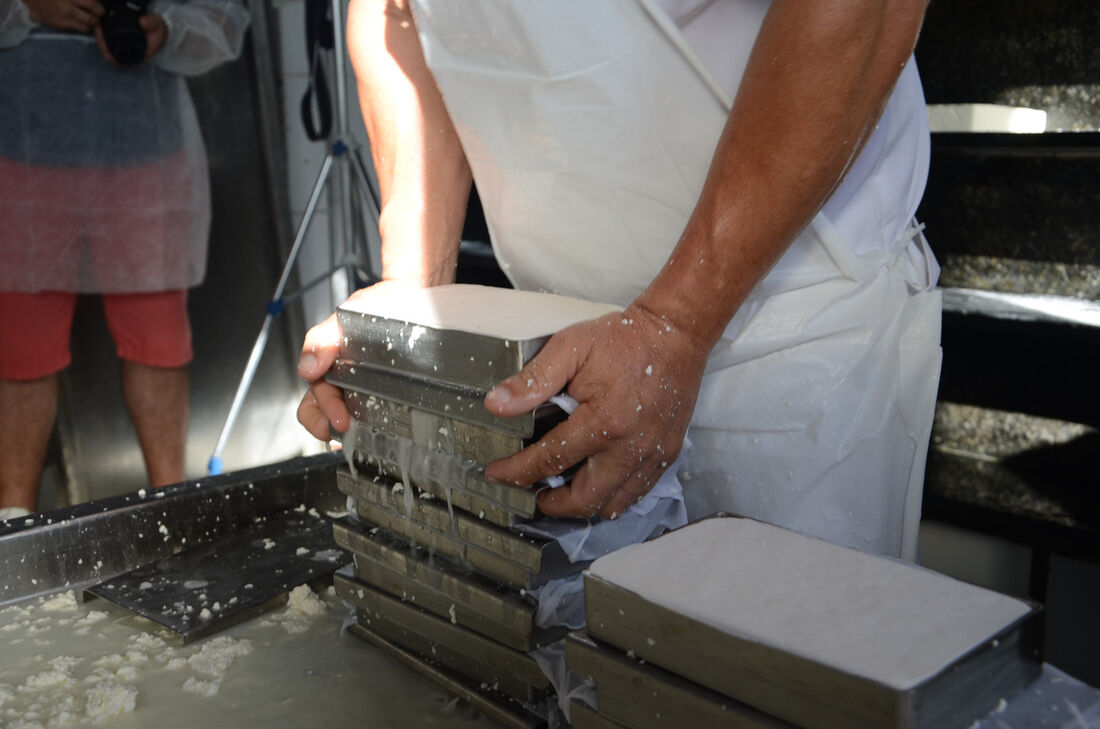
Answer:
[(103, 189)]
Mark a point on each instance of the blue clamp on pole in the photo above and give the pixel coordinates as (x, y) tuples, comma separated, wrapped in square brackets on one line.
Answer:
[(275, 306), (339, 148), (214, 467)]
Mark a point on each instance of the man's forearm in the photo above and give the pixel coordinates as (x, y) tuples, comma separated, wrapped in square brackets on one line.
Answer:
[(423, 175), (817, 81)]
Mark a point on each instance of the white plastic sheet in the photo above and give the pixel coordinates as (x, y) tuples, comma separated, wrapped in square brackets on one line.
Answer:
[(658, 511), (1055, 700), (567, 685)]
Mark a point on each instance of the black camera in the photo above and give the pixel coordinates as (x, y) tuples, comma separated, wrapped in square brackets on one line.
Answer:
[(122, 33)]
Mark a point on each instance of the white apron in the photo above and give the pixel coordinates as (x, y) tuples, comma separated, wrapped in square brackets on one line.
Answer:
[(589, 127)]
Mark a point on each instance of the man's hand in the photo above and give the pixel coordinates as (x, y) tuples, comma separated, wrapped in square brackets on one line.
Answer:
[(324, 404), (78, 15), (156, 34), (636, 379)]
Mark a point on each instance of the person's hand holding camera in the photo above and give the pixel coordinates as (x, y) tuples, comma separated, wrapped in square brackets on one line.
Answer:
[(77, 15), (125, 51)]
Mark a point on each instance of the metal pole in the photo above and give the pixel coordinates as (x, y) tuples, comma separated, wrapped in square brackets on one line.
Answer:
[(274, 307)]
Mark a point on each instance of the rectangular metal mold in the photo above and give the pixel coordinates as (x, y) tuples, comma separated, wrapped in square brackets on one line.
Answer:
[(479, 560), (438, 584), (448, 356), (486, 675), (536, 557), (581, 716), (444, 433), (457, 497), (446, 477), (468, 528), (805, 692), (461, 650), (454, 479), (452, 401), (639, 695), (507, 712)]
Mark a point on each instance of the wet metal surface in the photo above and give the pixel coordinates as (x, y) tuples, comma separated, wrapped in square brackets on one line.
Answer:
[(634, 693), (513, 672), (503, 554), (208, 588), (92, 542), (453, 478), (501, 709), (453, 401), (442, 356), (444, 587)]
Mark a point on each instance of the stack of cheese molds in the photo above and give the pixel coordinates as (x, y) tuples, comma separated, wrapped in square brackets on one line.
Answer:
[(729, 622), (441, 575)]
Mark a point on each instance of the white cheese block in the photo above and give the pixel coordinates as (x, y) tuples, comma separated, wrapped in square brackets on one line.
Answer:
[(873, 617)]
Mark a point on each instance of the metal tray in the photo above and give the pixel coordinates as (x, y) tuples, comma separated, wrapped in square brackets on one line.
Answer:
[(445, 399), (466, 527), (88, 543), (537, 557), (214, 586), (447, 478), (443, 433), (466, 652), (442, 355), (478, 560), (641, 696), (507, 712), (438, 584)]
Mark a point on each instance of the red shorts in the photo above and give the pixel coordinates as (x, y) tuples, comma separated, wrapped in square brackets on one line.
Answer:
[(149, 328)]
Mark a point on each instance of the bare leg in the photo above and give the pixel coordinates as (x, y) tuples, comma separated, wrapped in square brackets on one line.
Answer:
[(157, 399), (27, 412)]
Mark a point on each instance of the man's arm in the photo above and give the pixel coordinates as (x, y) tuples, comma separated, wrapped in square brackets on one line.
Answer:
[(423, 178), (817, 81)]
